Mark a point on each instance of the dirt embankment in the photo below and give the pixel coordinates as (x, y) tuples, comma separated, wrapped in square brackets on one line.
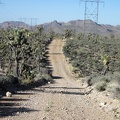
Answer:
[(66, 99)]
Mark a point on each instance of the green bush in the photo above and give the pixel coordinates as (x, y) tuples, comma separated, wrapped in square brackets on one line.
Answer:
[(99, 78), (109, 82), (101, 86), (93, 54)]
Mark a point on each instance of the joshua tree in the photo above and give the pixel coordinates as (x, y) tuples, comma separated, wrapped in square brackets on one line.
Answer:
[(18, 49)]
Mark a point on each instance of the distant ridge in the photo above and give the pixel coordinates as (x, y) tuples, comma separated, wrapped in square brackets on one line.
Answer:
[(14, 24), (78, 26), (60, 27)]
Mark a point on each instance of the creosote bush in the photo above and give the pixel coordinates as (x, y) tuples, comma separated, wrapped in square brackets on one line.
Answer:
[(101, 86), (109, 82)]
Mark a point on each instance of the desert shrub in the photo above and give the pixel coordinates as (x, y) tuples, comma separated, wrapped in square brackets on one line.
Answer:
[(37, 77), (97, 57), (98, 78), (116, 77), (100, 82), (12, 79), (43, 77), (26, 81), (93, 54), (101, 86), (47, 77), (2, 80), (8, 83), (114, 89), (117, 92), (109, 82), (9, 80)]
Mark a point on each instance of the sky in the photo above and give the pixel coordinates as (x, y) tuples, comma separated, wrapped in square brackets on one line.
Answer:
[(44, 11)]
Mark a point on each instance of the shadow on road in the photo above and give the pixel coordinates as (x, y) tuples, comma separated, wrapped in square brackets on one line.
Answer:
[(62, 90), (56, 77), (11, 107)]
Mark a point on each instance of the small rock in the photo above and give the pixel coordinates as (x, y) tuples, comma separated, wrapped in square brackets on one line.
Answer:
[(103, 104), (49, 82), (107, 94), (44, 118), (18, 113), (114, 110), (25, 112), (8, 94), (117, 116)]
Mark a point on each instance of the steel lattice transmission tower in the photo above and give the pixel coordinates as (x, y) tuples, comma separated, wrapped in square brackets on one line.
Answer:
[(91, 15)]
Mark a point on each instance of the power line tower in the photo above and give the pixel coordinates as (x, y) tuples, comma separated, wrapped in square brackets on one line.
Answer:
[(22, 20), (91, 15), (31, 21)]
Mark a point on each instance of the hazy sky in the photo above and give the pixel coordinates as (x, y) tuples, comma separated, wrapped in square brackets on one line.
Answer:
[(60, 10)]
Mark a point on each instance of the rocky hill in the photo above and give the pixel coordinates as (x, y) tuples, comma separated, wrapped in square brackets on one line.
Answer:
[(76, 25), (14, 24)]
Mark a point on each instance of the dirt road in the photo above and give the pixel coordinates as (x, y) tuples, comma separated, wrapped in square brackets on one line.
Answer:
[(63, 100)]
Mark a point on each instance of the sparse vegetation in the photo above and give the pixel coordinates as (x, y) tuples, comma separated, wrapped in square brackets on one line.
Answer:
[(95, 56)]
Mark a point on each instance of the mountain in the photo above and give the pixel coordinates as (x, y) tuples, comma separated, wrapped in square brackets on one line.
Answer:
[(60, 27), (14, 24), (75, 25), (78, 26)]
